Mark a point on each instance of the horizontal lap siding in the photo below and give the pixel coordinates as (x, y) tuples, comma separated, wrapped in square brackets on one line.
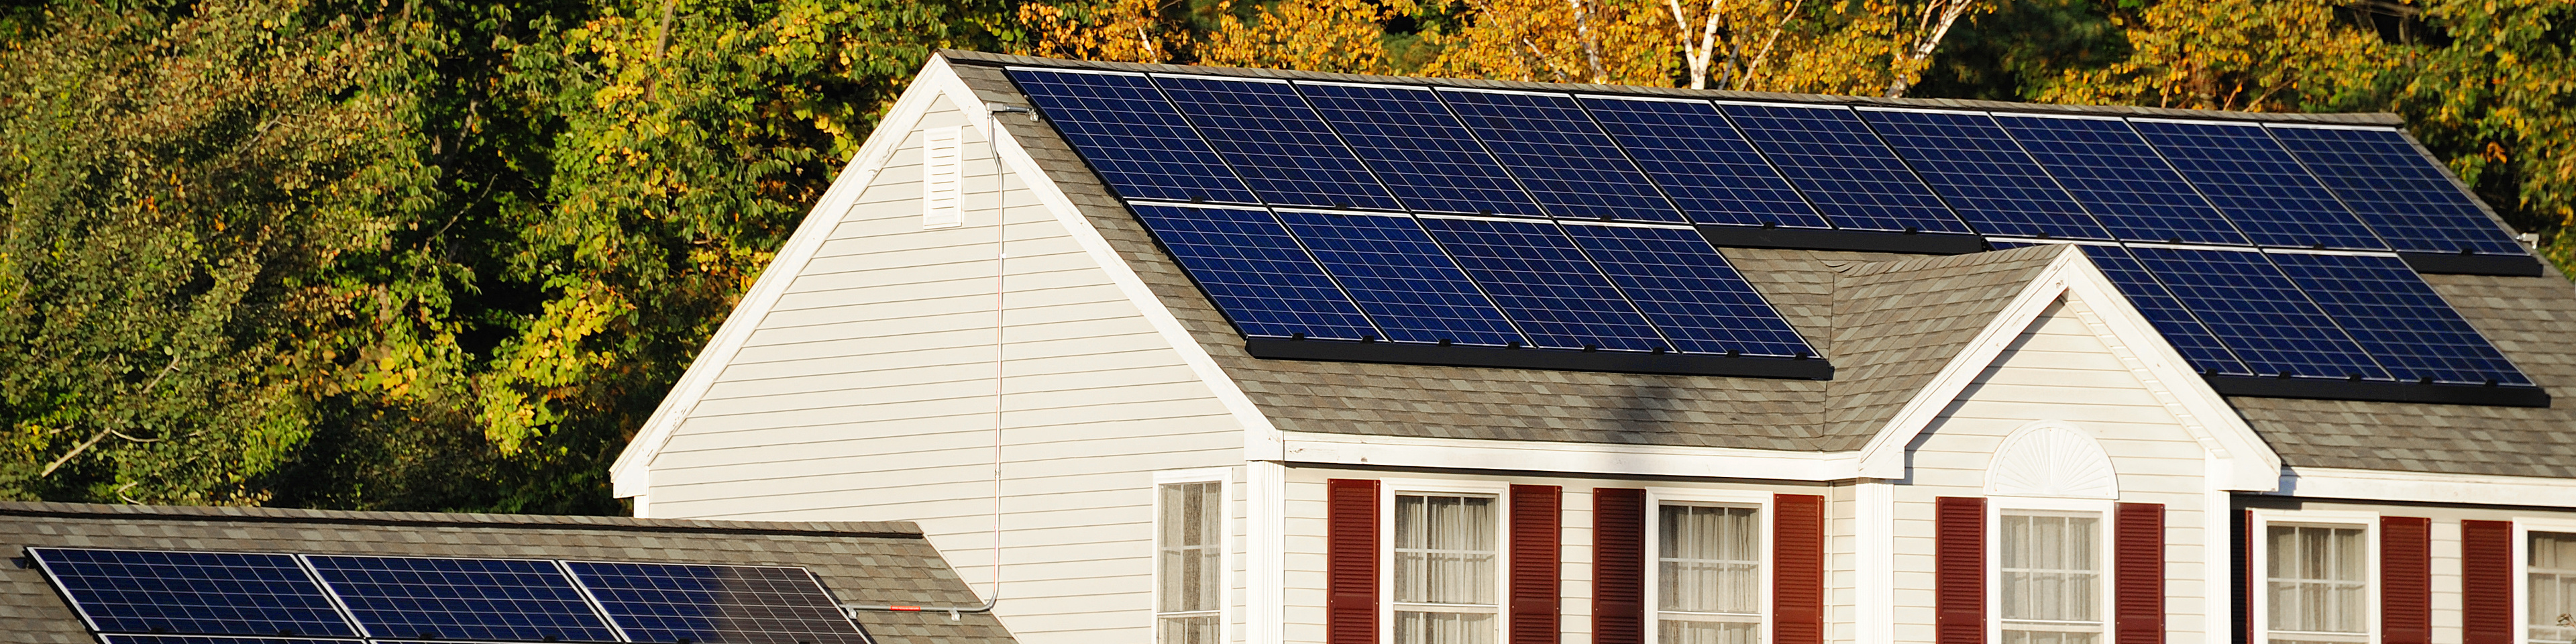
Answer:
[(867, 393)]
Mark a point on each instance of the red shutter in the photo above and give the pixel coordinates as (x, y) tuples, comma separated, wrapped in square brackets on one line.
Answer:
[(1959, 570), (1536, 550), (1618, 566), (1798, 569), (1350, 562), (2138, 566), (2486, 582), (2406, 580)]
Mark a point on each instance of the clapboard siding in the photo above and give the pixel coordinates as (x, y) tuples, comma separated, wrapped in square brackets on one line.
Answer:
[(867, 393)]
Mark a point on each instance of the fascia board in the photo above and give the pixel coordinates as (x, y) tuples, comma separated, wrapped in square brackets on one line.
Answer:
[(1569, 458), (2422, 487)]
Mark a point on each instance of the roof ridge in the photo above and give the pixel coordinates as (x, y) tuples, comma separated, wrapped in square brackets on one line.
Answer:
[(254, 514), (1862, 270)]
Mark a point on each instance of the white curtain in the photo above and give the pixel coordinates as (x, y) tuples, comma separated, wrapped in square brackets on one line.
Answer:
[(1192, 562), (2052, 568), (2316, 579), (1709, 576), (2553, 587), (1445, 548)]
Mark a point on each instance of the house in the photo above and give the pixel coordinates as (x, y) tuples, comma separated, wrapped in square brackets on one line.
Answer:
[(1182, 354), (133, 574)]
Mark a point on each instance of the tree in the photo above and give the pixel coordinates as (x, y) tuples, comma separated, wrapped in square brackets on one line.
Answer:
[(2252, 55), (2499, 102), (1316, 35)]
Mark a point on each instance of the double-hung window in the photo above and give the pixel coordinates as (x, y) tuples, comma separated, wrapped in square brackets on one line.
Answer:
[(1190, 566), (2551, 593), (1446, 550), (1708, 575), (2316, 583), (2050, 573)]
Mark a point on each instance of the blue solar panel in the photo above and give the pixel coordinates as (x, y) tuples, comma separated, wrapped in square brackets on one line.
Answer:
[(1545, 284), (2398, 318), (1131, 136), (207, 639), (2400, 193), (1409, 138), (1843, 168), (2129, 189), (1983, 175), (481, 599), (716, 604), (2258, 314), (1401, 279), (2185, 333), (1707, 169), (1276, 143), (1689, 291), (1256, 273), (1561, 156), (2256, 183), (193, 593)]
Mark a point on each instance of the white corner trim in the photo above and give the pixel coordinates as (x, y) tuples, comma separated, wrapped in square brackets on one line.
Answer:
[(1571, 458), (2381, 485), (1874, 562)]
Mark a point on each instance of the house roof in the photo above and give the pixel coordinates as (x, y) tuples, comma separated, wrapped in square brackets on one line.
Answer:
[(1898, 323), (875, 563)]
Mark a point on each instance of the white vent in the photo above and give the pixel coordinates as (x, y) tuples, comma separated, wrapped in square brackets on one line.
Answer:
[(942, 188)]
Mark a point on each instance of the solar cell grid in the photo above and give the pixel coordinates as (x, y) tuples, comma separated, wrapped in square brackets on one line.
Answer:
[(193, 593), (1842, 168), (2129, 190), (205, 639), (2259, 314), (2399, 193), (1132, 136), (1707, 169), (711, 604), (1418, 148), (2272, 200), (1403, 281), (1982, 174), (1256, 273), (1689, 291), (1282, 150), (480, 599), (2399, 319), (1543, 283), (1564, 160), (2185, 333)]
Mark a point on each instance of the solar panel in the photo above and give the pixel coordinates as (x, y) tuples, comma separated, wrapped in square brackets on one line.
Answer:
[(2185, 333), (479, 599), (2129, 189), (192, 593), (2399, 319), (1256, 273), (2271, 199), (708, 604), (1842, 168), (204, 639), (1403, 281), (1131, 136), (1409, 138), (2396, 190), (1690, 292), (1707, 169), (1560, 156), (1286, 154), (2258, 314), (1543, 283), (1982, 174)]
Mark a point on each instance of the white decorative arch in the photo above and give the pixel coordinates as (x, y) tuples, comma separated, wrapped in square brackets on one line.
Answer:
[(2050, 458)]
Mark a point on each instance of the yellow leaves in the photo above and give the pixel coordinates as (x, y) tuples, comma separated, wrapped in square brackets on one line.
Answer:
[(541, 370), (1314, 35), (1111, 30), (1578, 41), (2253, 55)]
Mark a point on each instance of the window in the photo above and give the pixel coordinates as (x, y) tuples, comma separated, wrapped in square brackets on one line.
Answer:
[(1708, 575), (1446, 548), (942, 185), (2317, 584), (1191, 566), (2552, 593), (2050, 572)]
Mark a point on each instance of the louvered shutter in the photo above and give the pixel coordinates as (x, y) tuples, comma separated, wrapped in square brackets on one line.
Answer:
[(1798, 569), (1618, 566), (2486, 582), (1350, 561), (1959, 570), (2406, 580), (2138, 567), (1536, 551)]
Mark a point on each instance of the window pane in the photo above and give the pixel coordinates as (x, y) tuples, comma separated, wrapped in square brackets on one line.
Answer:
[(2316, 579), (2553, 587), (1443, 628), (2051, 568), (1191, 561), (1444, 549), (2050, 637), (1691, 632), (1710, 560), (1194, 629)]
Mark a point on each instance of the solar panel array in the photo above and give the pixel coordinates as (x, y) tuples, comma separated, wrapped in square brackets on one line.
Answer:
[(170, 597)]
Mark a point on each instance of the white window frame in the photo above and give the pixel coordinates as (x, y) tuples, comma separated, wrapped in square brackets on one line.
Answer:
[(2522, 529), (2258, 560), (1656, 498), (1226, 555), (1388, 489), (1998, 506)]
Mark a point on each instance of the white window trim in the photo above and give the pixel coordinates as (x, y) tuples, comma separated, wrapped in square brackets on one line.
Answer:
[(2258, 564), (1226, 552), (1998, 506), (1656, 497), (2522, 529), (1388, 489)]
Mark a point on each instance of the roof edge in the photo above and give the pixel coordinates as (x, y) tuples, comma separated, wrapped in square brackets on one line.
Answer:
[(2345, 118), (247, 514)]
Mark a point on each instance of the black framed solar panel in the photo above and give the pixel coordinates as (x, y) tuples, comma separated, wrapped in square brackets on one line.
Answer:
[(2399, 319), (209, 639), (1276, 143), (1689, 291), (1422, 153), (1132, 136), (1984, 176), (2395, 189), (2129, 189), (716, 604), (1256, 273), (468, 599), (1560, 156), (2270, 198), (2258, 313), (1708, 169), (1545, 285), (1842, 168), (2172, 320), (192, 593), (1401, 280)]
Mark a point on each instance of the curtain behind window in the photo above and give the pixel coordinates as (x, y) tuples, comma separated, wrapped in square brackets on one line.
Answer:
[(2317, 581), (1192, 563), (1709, 578), (1445, 547), (2051, 573), (2553, 587)]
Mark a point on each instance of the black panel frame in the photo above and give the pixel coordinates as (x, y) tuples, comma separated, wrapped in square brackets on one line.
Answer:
[(1834, 239), (1676, 364), (2453, 264), (2378, 391)]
